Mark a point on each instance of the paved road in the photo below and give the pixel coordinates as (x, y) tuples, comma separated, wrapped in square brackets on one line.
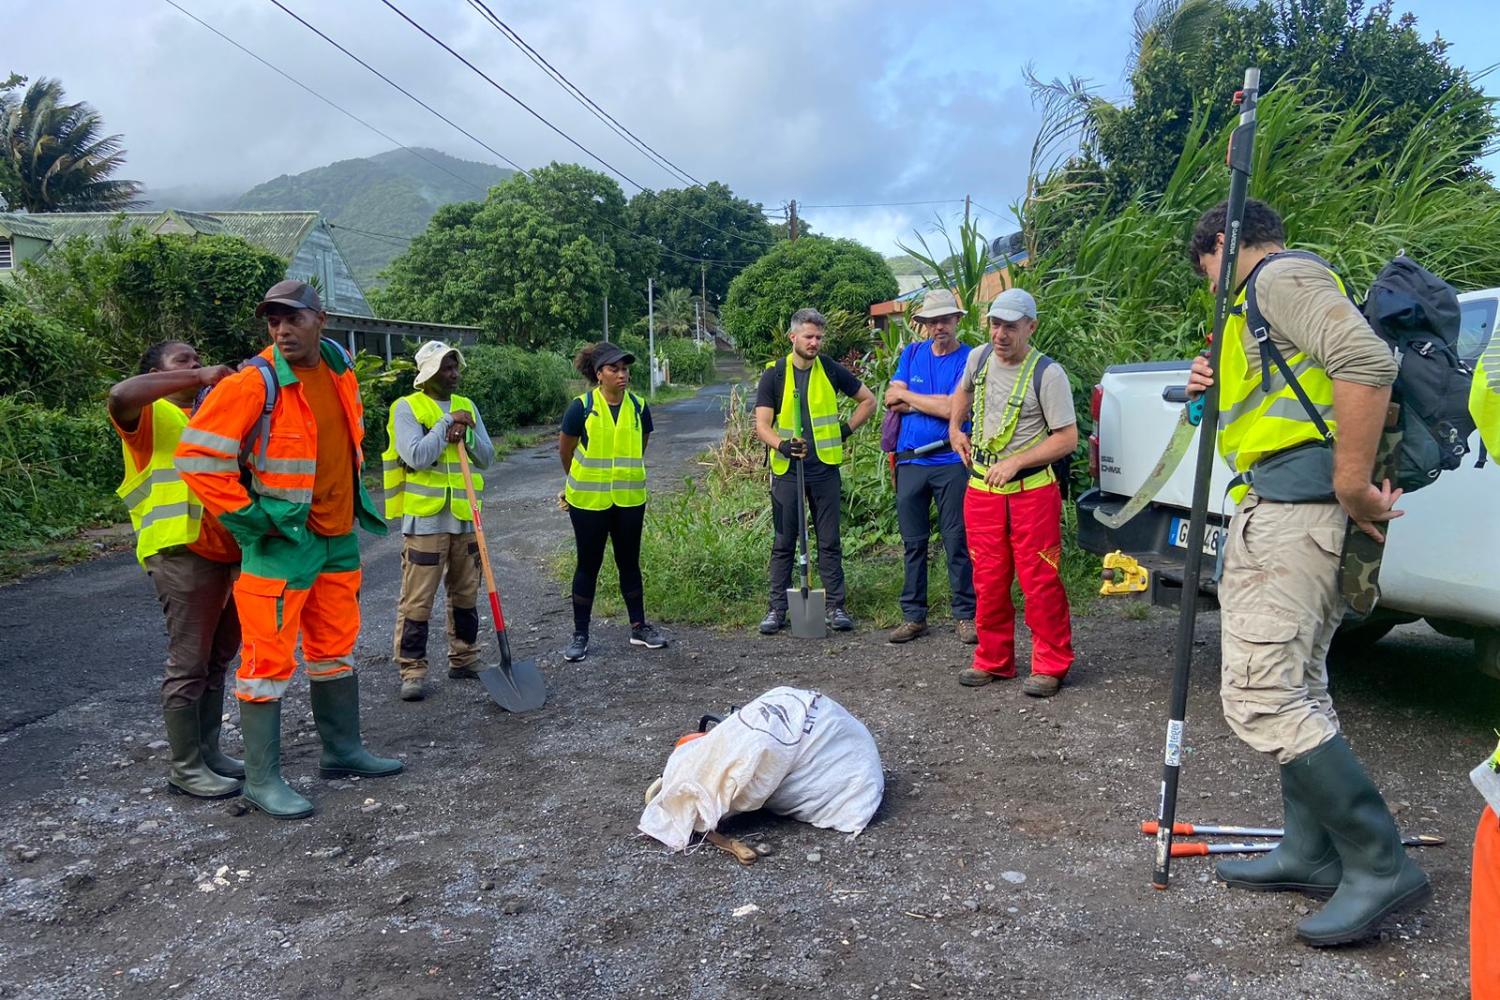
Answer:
[(78, 644)]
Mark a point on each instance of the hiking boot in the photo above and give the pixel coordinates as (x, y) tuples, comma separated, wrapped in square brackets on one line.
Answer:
[(1304, 860), (260, 724), (966, 632), (906, 632), (972, 678), (646, 635), (189, 774), (578, 648), (1041, 685), (210, 723), (840, 621), (464, 673), (773, 622), (1379, 880), (411, 689), (335, 706)]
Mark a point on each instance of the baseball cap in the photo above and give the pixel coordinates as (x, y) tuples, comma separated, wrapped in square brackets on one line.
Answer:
[(430, 358), (1012, 304), (293, 293), (609, 353)]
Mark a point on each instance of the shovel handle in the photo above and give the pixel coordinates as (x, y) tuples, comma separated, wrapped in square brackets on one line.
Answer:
[(484, 555)]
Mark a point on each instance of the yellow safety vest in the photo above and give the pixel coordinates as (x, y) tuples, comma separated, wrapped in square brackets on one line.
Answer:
[(425, 492), (1484, 397), (163, 510), (822, 407), (986, 453), (1258, 421), (609, 465)]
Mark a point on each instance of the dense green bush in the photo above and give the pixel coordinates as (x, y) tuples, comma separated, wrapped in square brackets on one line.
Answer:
[(689, 363), (44, 361), (58, 471), (514, 387)]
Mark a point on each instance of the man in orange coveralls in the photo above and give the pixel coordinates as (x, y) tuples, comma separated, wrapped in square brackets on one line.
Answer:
[(293, 514)]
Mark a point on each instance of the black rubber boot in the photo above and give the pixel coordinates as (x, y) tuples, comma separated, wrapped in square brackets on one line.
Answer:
[(335, 706), (189, 774), (1379, 880), (1305, 861), (260, 722), (210, 723)]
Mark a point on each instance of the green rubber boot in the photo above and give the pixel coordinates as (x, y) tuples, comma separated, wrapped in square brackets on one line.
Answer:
[(1379, 880), (210, 722), (335, 706), (260, 722), (189, 775), (1304, 861)]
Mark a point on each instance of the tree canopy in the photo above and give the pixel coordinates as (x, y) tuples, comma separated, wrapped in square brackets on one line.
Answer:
[(54, 156), (707, 222), (815, 271)]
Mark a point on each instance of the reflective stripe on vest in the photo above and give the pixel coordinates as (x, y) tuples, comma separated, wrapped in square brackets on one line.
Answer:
[(610, 471), (425, 492), (1484, 397), (991, 451), (163, 510), (1260, 419), (822, 408)]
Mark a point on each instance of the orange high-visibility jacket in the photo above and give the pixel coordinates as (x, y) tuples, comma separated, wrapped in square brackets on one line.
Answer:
[(282, 468)]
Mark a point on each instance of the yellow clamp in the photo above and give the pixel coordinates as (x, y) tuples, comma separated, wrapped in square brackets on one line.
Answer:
[(1122, 575), (1494, 761)]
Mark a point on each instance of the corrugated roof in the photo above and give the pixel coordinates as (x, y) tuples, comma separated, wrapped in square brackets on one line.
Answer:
[(281, 233)]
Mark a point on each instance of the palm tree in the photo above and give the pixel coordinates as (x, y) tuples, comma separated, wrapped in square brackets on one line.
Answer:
[(55, 156), (674, 312)]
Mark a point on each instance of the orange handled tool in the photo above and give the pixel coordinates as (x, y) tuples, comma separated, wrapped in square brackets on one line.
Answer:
[(1188, 850), (1148, 828)]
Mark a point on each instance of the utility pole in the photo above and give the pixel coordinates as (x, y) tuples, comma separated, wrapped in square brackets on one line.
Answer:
[(967, 202), (792, 221), (698, 322), (606, 317), (703, 292), (651, 336)]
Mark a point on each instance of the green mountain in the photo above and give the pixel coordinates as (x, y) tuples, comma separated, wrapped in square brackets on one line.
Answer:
[(394, 193)]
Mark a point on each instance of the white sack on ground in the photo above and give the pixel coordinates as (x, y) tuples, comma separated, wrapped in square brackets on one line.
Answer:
[(798, 753)]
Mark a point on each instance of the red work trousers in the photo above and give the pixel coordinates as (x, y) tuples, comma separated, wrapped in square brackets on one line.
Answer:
[(1484, 911), (1018, 535)]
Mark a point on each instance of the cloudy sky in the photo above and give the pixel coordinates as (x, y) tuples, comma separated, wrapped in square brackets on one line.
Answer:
[(831, 102)]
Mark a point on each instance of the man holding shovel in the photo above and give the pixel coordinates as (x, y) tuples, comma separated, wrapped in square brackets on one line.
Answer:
[(424, 487), (807, 400)]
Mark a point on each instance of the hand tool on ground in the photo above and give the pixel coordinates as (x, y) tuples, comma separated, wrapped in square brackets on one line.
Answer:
[(1241, 150), (805, 607), (740, 851), (1148, 828), (514, 685), (1189, 850)]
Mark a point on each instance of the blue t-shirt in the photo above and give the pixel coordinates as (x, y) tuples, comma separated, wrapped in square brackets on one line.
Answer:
[(929, 375)]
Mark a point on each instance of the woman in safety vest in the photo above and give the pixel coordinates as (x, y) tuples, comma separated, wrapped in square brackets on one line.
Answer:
[(603, 446), (191, 559)]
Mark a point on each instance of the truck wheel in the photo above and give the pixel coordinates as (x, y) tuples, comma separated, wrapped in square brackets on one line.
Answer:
[(1487, 652), (1356, 638)]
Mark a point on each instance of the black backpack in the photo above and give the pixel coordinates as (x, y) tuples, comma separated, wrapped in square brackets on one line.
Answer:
[(1416, 313)]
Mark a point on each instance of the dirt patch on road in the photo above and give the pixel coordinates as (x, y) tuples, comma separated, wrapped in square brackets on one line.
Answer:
[(1004, 861)]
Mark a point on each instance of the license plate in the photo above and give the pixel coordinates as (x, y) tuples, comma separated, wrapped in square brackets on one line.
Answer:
[(1213, 536)]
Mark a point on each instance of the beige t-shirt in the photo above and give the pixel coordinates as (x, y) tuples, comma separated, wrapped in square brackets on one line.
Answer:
[(1051, 412), (1307, 312)]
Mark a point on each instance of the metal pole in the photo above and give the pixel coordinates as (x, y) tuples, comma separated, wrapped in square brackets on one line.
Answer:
[(651, 336), (606, 317), (1241, 148)]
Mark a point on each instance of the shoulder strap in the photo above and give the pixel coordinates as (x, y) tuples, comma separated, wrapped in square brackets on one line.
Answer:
[(342, 351), (1270, 354), (588, 404), (260, 435), (1042, 364), (983, 362)]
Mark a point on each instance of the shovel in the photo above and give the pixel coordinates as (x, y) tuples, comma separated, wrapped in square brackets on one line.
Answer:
[(515, 687), (805, 607)]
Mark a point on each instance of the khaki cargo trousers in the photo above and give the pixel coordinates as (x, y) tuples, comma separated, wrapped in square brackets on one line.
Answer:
[(1279, 605), (428, 561)]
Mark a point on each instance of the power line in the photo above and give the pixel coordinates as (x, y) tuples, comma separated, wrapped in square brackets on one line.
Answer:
[(578, 95), (368, 232), (885, 204), (331, 104)]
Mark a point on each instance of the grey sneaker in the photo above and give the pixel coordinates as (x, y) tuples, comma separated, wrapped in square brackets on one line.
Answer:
[(773, 622), (840, 621), (411, 690), (646, 635), (578, 648)]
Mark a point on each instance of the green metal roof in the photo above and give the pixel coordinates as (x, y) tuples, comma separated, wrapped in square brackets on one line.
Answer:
[(281, 233)]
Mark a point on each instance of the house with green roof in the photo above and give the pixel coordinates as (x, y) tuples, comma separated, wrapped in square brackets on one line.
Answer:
[(302, 239)]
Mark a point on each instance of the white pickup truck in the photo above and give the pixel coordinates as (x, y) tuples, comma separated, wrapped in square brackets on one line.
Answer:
[(1442, 560)]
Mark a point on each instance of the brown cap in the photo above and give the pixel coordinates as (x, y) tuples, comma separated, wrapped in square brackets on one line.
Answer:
[(292, 293)]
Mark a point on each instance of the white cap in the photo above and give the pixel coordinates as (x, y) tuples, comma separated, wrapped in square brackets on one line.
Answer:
[(1012, 304)]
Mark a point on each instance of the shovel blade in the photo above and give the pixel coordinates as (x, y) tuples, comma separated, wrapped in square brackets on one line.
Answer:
[(516, 688), (807, 611)]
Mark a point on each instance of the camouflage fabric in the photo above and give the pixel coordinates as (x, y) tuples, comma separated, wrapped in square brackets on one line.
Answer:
[(1359, 566)]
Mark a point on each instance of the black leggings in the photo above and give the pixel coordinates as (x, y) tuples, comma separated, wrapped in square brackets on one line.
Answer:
[(590, 530)]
